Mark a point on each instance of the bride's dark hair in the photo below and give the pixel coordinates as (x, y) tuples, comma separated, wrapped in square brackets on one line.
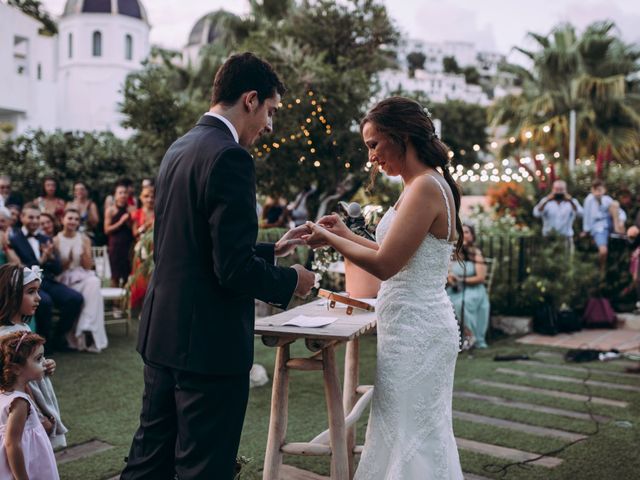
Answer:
[(404, 121)]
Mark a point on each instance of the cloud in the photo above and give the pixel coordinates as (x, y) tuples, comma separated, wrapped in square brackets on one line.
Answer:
[(581, 15), (438, 21)]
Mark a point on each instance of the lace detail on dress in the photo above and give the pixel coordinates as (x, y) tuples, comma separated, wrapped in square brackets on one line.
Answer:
[(410, 434)]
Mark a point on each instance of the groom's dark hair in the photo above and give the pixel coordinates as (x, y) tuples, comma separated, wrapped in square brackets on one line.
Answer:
[(242, 73)]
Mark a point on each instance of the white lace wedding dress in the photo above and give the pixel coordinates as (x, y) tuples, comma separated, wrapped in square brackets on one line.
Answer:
[(410, 434)]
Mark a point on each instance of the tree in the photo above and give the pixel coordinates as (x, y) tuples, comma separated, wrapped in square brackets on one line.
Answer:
[(327, 53), (595, 74), (416, 62), (160, 105), (98, 159), (463, 126), (34, 9), (450, 65), (471, 75)]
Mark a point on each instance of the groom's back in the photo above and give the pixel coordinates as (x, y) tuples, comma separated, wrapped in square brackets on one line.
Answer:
[(185, 302)]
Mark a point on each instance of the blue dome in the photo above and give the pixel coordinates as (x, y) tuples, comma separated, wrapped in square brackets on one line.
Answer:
[(210, 27), (129, 8)]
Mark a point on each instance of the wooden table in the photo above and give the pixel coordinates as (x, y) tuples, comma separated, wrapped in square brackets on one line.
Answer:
[(343, 406)]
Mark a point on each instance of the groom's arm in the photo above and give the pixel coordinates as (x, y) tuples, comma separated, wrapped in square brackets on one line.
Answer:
[(267, 251), (230, 199)]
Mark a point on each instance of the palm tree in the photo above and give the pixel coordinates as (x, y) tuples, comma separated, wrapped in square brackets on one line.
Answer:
[(595, 75)]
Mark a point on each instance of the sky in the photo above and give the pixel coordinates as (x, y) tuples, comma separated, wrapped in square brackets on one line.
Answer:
[(494, 25)]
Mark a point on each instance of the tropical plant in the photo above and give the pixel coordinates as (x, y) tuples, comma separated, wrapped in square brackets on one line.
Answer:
[(593, 74)]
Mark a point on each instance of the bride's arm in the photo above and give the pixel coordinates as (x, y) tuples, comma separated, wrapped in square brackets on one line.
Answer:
[(412, 223)]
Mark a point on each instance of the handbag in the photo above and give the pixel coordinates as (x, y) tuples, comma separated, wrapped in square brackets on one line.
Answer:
[(599, 314), (545, 319), (568, 321)]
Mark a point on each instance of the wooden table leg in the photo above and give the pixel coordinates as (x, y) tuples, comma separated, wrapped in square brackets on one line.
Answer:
[(337, 433), (279, 413), (349, 396)]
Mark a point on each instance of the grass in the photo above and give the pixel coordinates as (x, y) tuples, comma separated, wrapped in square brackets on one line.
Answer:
[(100, 397)]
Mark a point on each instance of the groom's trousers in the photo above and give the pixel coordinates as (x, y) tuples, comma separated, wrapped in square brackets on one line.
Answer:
[(190, 425)]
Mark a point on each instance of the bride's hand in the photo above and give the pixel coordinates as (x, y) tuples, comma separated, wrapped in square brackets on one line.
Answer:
[(318, 238), (334, 224)]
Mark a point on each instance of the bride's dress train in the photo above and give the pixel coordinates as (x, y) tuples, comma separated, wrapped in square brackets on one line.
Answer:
[(410, 434)]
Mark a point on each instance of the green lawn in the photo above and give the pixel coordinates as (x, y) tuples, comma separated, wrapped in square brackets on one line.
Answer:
[(100, 399)]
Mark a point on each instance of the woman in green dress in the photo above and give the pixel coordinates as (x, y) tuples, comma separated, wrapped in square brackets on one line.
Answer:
[(468, 292)]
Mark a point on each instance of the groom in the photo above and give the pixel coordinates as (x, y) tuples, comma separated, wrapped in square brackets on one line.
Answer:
[(196, 328)]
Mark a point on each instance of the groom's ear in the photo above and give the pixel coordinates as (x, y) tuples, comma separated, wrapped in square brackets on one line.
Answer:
[(251, 101)]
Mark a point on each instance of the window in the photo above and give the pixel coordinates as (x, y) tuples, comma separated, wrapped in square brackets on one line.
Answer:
[(21, 55), (97, 44), (39, 71), (128, 47), (70, 45)]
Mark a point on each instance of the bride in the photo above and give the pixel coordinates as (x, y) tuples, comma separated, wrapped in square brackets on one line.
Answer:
[(410, 433)]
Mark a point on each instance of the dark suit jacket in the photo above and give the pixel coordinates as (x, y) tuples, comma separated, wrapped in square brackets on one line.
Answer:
[(21, 246), (198, 313)]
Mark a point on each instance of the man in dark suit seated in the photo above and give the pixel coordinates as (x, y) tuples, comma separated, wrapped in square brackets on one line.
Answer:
[(197, 323), (33, 248)]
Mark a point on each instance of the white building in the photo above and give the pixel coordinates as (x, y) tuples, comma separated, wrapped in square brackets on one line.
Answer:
[(465, 53), (74, 80), (439, 87)]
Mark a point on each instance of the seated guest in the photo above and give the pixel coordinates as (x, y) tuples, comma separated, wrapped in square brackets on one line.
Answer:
[(34, 248), (117, 227), (18, 292), (48, 202), (75, 253), (468, 292), (15, 215), (87, 208), (48, 225)]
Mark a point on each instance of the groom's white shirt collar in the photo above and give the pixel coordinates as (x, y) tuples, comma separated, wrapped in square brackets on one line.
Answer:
[(234, 132)]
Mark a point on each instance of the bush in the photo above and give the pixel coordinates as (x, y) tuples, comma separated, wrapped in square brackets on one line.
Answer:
[(96, 158)]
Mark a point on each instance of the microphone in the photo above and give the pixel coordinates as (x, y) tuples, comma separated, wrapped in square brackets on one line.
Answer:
[(353, 209), (355, 219)]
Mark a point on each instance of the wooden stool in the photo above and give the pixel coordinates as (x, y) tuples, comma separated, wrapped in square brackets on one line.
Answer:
[(339, 440)]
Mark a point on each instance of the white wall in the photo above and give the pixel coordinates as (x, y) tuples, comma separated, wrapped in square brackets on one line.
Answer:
[(90, 88), (26, 100)]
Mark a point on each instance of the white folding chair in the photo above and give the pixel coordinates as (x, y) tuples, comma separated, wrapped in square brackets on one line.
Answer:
[(116, 309)]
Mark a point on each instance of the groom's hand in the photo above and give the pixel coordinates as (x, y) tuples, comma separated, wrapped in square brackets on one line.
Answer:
[(306, 281), (291, 240)]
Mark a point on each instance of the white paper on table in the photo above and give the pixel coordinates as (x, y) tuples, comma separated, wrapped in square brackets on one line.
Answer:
[(309, 322)]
